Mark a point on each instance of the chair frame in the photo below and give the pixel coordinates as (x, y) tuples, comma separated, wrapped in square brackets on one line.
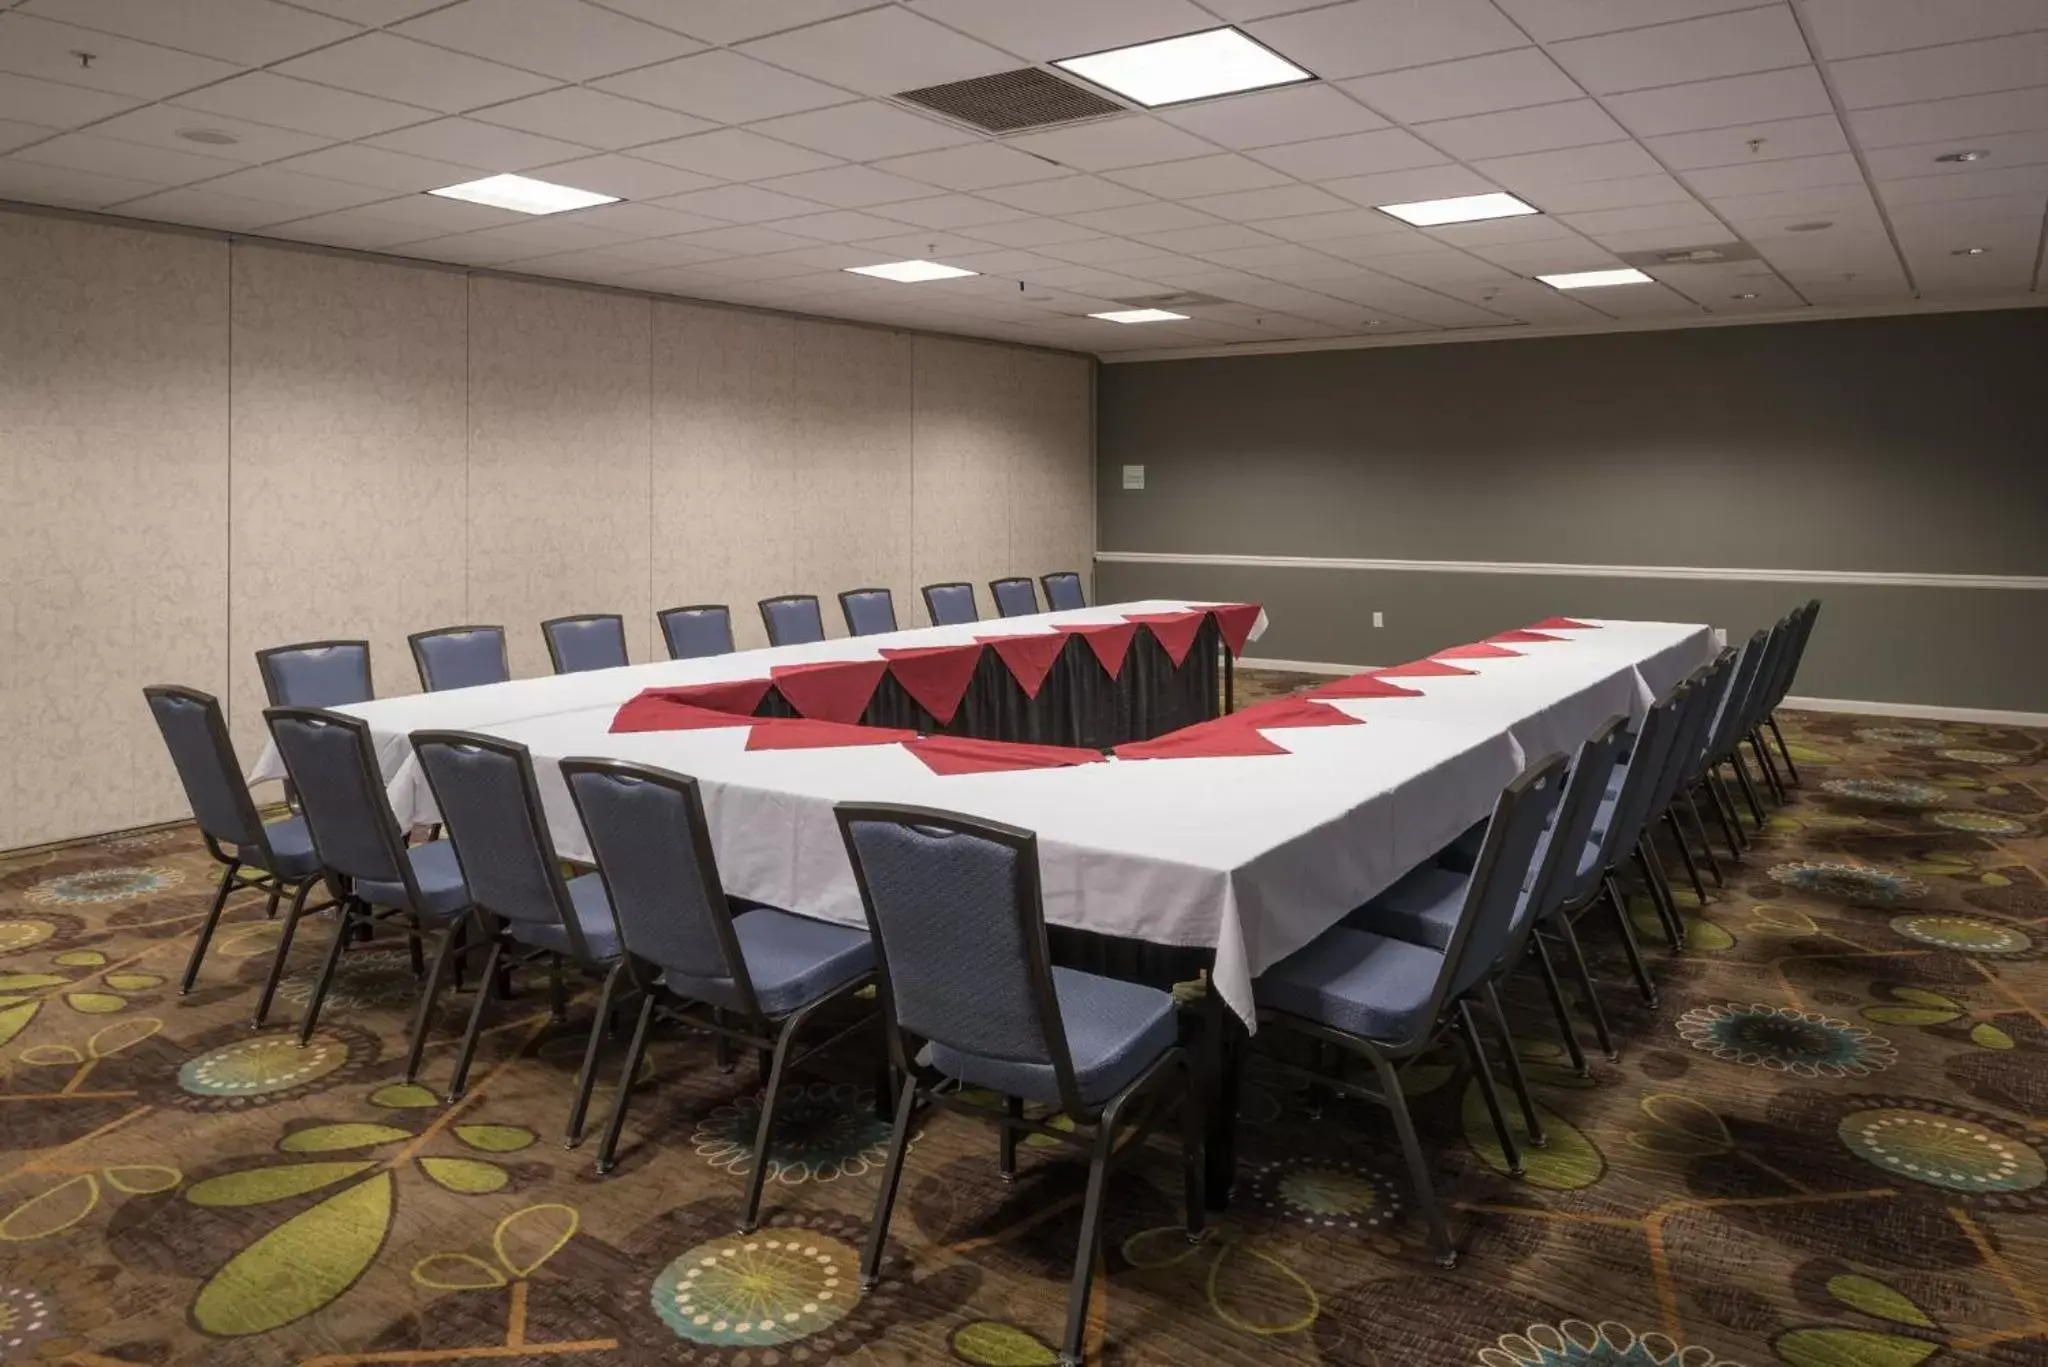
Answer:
[(1095, 1128), (931, 613), (768, 621), (661, 621), (237, 874), (420, 661), (300, 648), (1045, 587), (492, 930), (996, 596), (773, 1037), (846, 609), (554, 650)]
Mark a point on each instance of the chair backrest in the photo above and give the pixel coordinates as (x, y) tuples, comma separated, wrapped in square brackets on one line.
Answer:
[(869, 612), (1063, 591), (196, 734), (1798, 628), (332, 761), (1654, 739), (1683, 760), (1727, 725), (950, 605), (959, 928), (792, 620), (1557, 853), (460, 657), (490, 803), (1806, 613), (1493, 897), (316, 674), (1014, 597), (1758, 700), (594, 641), (697, 631), (652, 847)]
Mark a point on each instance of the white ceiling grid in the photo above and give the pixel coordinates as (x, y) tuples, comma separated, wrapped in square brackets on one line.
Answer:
[(760, 153)]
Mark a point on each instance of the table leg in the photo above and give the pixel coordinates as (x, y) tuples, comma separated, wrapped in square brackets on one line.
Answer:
[(1223, 1038)]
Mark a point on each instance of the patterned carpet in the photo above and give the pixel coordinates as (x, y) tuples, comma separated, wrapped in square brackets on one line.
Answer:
[(1828, 1147)]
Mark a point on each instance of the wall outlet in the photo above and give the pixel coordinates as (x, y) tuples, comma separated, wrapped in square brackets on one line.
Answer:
[(1379, 619)]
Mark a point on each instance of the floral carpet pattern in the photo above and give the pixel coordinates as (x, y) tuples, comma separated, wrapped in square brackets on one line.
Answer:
[(1826, 1147)]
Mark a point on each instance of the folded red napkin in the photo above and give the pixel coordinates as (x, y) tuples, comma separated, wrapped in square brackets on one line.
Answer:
[(1363, 686), (1174, 630), (1421, 669), (937, 676), (1220, 739), (832, 690), (1110, 641), (802, 733), (947, 755), (648, 713), (1235, 621), (1293, 712), (1481, 651), (1561, 624), (1030, 658), (737, 696), (1524, 637)]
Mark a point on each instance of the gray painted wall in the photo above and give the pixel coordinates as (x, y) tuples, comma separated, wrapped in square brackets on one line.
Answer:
[(1903, 445)]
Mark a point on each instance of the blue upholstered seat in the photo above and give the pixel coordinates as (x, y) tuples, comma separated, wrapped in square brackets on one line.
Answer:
[(291, 850), (1115, 1030), (792, 960), (439, 876), (1353, 980), (1422, 908), (593, 913)]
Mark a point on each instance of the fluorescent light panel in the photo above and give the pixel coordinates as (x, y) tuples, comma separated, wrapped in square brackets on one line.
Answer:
[(1194, 66), (911, 272), (1140, 316), (523, 195), (1435, 213), (1585, 280)]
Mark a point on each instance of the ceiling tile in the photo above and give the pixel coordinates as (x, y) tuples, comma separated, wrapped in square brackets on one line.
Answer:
[(1406, 187), (741, 204), (2011, 180), (1546, 258), (1726, 103), (38, 184), (1683, 213), (1898, 163), (52, 105), (561, 38), (1268, 254), (730, 21), (639, 220), (1938, 72), (37, 47), (125, 160), (1101, 249), (1475, 85), (314, 194), (246, 32), (1365, 36), (847, 187), (1857, 28), (1145, 218), (435, 216), (158, 125), (536, 237), (1641, 301), (1073, 194), (397, 69), (881, 52), (1110, 144), (1818, 202), (1762, 177), (1539, 170), (839, 226), (1572, 124), (15, 134), (262, 97), (1282, 201), (201, 207), (1779, 138), (1211, 175), (1526, 228), (1047, 29), (1695, 50), (734, 154), (1033, 232), (725, 88), (592, 118), (362, 165), (1223, 237), (470, 143), (1675, 238), (1342, 223), (952, 211), (977, 166), (1549, 20), (1355, 154), (370, 13), (1275, 116), (362, 229), (626, 177), (1621, 193), (865, 132), (2007, 111)]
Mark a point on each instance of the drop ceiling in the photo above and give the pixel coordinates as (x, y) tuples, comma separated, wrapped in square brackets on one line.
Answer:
[(759, 153)]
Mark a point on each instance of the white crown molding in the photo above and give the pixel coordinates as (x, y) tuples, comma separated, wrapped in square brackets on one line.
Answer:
[(1863, 578), (1509, 333)]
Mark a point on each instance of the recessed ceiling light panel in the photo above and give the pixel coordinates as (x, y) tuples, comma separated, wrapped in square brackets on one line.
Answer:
[(1586, 280), (523, 195), (1435, 213), (1140, 316), (1194, 66), (911, 272)]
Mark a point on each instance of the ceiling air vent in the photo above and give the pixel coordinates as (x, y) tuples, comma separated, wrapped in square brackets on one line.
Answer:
[(1710, 254), (1011, 101)]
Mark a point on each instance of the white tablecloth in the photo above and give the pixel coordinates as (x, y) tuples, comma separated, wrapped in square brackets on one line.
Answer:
[(1251, 857)]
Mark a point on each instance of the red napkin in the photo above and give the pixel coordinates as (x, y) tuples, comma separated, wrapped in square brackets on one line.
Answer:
[(801, 733), (1561, 624), (646, 713), (1110, 641), (1292, 712), (1363, 686), (1220, 739), (948, 755), (1235, 621), (937, 676), (1420, 669), (738, 696), (834, 690), (1030, 658), (1523, 637), (1173, 630), (1482, 651)]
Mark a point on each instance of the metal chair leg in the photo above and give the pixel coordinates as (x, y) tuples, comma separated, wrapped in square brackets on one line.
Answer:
[(486, 985), (1555, 991), (1091, 1238), (764, 1133), (1516, 1077), (430, 993), (1749, 793), (1692, 870), (344, 923), (1724, 812), (1418, 1166), (1191, 1133), (1791, 769), (1006, 1144), (1628, 941), (284, 949), (220, 900), (608, 1148), (1699, 826), (1482, 1073), (1585, 975), (892, 1174), (1652, 870), (586, 1076), (1767, 766)]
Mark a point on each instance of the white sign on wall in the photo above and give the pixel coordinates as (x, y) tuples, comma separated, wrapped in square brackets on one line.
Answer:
[(1134, 477)]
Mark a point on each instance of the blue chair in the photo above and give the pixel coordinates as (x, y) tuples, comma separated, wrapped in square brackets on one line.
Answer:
[(950, 605), (526, 908), (1063, 591), (594, 641), (757, 978), (1390, 1001), (373, 874), (698, 631), (274, 857), (961, 959), (1014, 597), (316, 674), (792, 620), (460, 657), (1803, 618), (1708, 685), (869, 612)]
